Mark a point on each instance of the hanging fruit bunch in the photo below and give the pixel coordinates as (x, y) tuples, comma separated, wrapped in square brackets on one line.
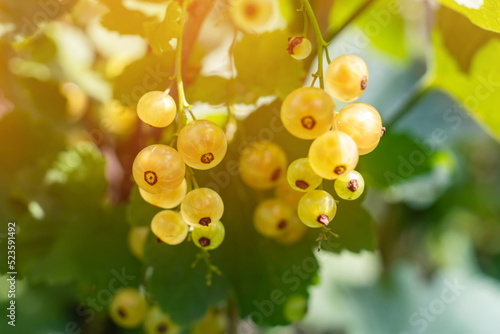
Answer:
[(166, 174)]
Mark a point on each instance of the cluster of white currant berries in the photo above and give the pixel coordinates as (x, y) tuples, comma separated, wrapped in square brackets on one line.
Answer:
[(160, 172), (338, 141), (129, 309)]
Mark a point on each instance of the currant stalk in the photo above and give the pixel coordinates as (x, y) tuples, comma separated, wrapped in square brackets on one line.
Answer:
[(321, 44)]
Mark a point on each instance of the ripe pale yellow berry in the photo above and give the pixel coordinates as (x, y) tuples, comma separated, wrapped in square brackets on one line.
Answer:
[(346, 78)]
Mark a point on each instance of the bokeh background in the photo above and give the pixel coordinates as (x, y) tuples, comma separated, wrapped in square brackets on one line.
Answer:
[(419, 252)]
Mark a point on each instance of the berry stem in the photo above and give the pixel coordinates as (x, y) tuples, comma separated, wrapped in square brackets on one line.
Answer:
[(320, 42), (203, 254), (178, 73), (192, 184), (323, 236)]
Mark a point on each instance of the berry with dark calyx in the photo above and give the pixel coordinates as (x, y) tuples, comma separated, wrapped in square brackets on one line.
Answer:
[(158, 322), (209, 237), (307, 112), (299, 47), (262, 165), (128, 308), (317, 208), (333, 154), (294, 232), (302, 177), (158, 169), (202, 144), (272, 217), (202, 207), (350, 185), (346, 78)]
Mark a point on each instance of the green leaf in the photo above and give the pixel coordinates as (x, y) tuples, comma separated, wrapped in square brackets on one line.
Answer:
[(384, 26), (77, 239), (140, 212), (263, 273), (149, 73), (33, 143), (210, 89), (47, 309), (451, 24), (174, 282), (39, 92), (161, 33), (355, 227), (255, 57), (68, 179), (396, 158), (341, 11), (484, 13), (123, 20), (477, 89)]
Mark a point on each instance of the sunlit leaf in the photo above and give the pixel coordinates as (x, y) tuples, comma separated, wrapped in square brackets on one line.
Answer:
[(478, 88), (122, 19), (160, 34), (484, 13)]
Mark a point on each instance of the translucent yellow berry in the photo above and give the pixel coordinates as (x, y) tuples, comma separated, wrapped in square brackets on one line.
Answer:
[(169, 227), (307, 112), (167, 200), (317, 208), (262, 165), (346, 78), (157, 109), (363, 123), (333, 154)]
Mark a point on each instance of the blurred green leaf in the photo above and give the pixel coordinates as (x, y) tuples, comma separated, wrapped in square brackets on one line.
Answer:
[(39, 93), (47, 308), (68, 179), (355, 227), (149, 73), (210, 89), (262, 272), (174, 283), (384, 26), (28, 142), (79, 239), (341, 11), (396, 158), (140, 212), (482, 13)]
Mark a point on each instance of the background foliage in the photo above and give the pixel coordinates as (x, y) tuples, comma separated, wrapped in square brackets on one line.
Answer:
[(71, 75)]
